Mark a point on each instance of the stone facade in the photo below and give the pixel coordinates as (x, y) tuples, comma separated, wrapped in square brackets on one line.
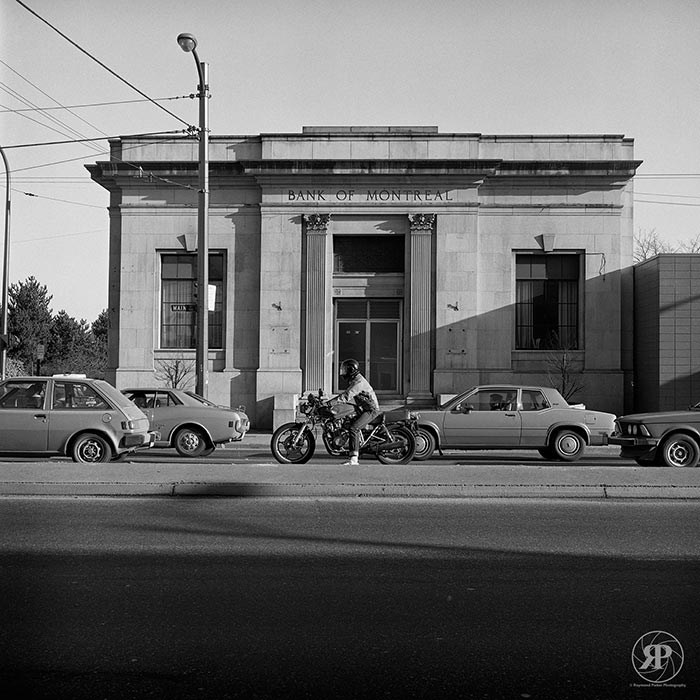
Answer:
[(465, 207)]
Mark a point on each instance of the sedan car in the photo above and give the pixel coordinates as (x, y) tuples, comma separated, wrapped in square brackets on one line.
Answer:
[(666, 438), (503, 416), (187, 422), (86, 419)]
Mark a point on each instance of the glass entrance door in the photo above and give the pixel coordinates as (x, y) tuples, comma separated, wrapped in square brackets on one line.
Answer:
[(369, 330)]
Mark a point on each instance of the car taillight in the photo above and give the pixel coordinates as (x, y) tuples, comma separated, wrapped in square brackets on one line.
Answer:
[(128, 425)]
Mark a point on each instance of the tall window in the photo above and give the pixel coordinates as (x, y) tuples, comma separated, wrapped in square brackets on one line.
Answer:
[(547, 305), (178, 316)]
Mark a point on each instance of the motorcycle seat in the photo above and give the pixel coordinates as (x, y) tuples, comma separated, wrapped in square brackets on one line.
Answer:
[(379, 420)]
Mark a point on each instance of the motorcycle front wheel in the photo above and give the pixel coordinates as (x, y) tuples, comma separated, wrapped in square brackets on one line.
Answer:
[(289, 447), (402, 447)]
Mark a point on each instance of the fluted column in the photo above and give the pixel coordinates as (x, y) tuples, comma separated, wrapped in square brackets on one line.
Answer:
[(421, 270), (317, 285)]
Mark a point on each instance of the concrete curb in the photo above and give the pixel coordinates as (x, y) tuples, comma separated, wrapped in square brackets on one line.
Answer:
[(349, 490)]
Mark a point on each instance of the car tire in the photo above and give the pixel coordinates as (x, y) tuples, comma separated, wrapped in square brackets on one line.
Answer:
[(190, 442), (90, 448), (547, 452), (567, 445), (425, 444), (680, 450)]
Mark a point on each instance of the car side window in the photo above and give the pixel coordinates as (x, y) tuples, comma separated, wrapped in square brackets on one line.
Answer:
[(23, 395), (165, 399), (75, 395), (534, 400), (490, 400)]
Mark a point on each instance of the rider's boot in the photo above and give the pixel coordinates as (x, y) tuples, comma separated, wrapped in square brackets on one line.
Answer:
[(353, 461)]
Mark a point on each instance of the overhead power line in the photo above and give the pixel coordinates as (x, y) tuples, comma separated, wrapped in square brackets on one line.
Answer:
[(96, 138), (107, 68), (55, 199), (46, 94), (98, 104)]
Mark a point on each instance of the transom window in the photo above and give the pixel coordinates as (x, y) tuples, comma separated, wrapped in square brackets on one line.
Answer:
[(368, 254), (547, 302), (178, 317)]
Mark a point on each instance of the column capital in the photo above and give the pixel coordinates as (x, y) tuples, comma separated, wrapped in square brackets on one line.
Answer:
[(317, 223), (421, 222)]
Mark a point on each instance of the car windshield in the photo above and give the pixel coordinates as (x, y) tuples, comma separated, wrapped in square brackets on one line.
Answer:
[(445, 404)]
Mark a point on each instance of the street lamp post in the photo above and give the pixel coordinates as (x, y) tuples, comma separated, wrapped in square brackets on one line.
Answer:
[(188, 43), (4, 338)]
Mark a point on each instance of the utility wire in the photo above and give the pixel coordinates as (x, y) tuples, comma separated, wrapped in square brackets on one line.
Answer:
[(107, 68), (46, 94), (99, 104), (54, 199), (96, 138)]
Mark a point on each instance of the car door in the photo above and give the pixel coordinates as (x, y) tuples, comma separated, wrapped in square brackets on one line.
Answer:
[(536, 418), (485, 418), (24, 420), (166, 413)]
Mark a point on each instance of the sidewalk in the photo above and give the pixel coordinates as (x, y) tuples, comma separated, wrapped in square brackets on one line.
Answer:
[(248, 470)]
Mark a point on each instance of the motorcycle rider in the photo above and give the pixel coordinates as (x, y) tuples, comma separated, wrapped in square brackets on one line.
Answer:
[(360, 392)]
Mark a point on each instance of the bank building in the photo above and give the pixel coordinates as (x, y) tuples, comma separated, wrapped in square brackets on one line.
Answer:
[(438, 260)]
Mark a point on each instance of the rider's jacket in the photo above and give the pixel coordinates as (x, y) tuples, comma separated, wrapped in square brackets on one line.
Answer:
[(361, 393)]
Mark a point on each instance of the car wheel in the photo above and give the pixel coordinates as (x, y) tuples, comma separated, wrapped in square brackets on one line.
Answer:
[(90, 448), (681, 451), (425, 444), (190, 442), (567, 445)]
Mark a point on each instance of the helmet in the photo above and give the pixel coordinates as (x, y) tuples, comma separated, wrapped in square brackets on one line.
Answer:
[(349, 369)]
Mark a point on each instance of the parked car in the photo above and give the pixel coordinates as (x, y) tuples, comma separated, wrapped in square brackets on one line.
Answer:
[(666, 438), (86, 419), (503, 416), (187, 422)]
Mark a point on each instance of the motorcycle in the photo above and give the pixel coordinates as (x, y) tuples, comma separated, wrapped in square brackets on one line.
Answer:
[(295, 443)]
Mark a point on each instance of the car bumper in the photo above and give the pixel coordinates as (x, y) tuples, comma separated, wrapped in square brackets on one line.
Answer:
[(635, 446), (140, 440), (599, 439)]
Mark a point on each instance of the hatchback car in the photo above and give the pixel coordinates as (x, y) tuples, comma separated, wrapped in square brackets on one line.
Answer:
[(505, 416), (188, 422), (665, 438), (86, 419)]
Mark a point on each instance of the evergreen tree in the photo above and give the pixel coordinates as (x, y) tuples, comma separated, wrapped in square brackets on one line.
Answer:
[(29, 319)]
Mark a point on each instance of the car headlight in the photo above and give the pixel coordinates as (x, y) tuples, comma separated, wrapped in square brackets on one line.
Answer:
[(635, 430)]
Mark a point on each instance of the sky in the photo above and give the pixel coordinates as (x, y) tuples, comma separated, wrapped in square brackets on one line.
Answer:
[(467, 66)]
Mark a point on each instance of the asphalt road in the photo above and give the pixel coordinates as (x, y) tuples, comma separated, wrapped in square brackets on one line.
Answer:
[(267, 598)]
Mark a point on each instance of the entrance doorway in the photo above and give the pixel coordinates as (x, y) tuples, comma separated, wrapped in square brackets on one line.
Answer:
[(369, 330)]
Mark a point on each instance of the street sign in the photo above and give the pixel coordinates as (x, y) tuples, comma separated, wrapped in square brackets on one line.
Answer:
[(183, 307)]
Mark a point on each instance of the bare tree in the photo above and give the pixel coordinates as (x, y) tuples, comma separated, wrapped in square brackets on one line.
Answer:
[(648, 243), (175, 372), (564, 373), (692, 245)]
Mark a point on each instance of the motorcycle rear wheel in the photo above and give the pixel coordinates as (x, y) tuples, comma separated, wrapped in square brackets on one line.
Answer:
[(402, 454), (285, 451)]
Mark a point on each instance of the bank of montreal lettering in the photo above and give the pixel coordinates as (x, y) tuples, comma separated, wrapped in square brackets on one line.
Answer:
[(384, 195)]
